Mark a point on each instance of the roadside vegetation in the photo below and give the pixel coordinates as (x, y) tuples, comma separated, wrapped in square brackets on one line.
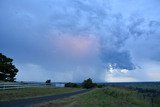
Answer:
[(32, 92), (148, 91), (95, 98), (109, 96)]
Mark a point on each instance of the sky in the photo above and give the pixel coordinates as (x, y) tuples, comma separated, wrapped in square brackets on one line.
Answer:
[(73, 40)]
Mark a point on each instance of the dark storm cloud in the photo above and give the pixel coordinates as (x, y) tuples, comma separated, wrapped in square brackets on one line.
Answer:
[(118, 60), (147, 38), (29, 30), (25, 21)]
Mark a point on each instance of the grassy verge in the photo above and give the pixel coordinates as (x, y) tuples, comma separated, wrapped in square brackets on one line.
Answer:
[(126, 96), (32, 92), (109, 97)]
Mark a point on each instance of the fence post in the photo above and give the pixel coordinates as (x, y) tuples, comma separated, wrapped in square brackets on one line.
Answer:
[(3, 86)]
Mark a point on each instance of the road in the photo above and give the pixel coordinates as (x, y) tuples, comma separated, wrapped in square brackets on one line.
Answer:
[(37, 100)]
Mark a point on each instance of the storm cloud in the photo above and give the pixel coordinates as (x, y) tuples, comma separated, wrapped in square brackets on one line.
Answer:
[(71, 40)]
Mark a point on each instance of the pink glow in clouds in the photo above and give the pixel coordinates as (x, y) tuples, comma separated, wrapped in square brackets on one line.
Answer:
[(76, 46)]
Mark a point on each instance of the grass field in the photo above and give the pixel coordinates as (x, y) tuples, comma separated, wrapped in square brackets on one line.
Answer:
[(104, 97), (112, 95), (32, 92)]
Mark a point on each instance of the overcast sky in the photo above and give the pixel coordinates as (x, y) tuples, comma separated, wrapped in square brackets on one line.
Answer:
[(72, 40)]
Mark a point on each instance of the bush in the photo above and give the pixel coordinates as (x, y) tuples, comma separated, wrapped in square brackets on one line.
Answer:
[(88, 84), (100, 85), (72, 85)]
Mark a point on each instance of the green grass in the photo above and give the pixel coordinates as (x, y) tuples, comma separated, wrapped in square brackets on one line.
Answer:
[(124, 94), (32, 92), (109, 97), (95, 98)]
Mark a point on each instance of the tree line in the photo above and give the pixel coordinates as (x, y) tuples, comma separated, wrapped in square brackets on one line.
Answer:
[(85, 84)]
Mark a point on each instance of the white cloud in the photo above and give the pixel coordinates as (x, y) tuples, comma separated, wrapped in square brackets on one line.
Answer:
[(118, 75), (152, 70)]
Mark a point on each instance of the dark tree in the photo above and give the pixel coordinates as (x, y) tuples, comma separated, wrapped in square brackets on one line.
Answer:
[(7, 70), (88, 83), (100, 85), (73, 85), (48, 82)]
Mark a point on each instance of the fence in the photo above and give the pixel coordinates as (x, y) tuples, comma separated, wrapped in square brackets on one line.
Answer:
[(9, 86), (20, 85)]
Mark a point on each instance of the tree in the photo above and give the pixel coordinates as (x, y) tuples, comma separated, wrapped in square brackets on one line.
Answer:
[(48, 82), (7, 70), (88, 83), (73, 85)]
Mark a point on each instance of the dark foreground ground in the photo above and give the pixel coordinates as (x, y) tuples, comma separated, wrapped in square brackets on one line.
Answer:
[(32, 101)]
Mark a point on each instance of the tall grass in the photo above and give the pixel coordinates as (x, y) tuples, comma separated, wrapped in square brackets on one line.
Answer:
[(32, 92), (107, 97), (126, 95)]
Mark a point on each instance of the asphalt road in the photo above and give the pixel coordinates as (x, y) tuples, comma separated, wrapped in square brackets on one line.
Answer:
[(37, 100)]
